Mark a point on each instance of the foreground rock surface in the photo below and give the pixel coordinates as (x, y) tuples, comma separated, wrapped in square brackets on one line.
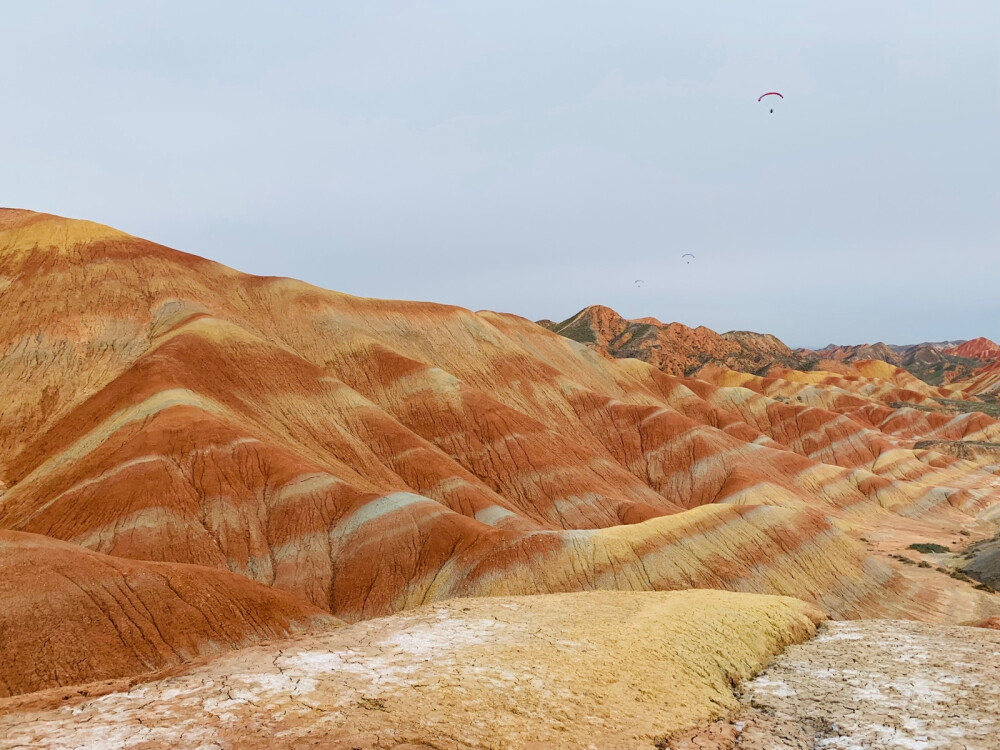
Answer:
[(884, 685), (601, 670)]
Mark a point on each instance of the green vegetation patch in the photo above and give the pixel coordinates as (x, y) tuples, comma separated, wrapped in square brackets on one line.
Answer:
[(928, 547), (987, 405), (578, 331)]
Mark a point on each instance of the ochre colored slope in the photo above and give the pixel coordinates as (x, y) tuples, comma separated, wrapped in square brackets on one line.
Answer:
[(69, 615)]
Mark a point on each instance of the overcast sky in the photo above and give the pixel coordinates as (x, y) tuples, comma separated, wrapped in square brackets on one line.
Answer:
[(537, 157)]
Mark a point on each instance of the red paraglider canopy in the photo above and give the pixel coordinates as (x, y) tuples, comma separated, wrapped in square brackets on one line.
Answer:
[(770, 93)]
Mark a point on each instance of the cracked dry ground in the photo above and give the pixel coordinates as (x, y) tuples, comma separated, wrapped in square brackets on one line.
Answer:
[(876, 684), (599, 670)]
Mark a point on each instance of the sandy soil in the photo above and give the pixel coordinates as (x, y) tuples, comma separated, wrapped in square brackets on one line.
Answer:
[(879, 684), (596, 670), (602, 670)]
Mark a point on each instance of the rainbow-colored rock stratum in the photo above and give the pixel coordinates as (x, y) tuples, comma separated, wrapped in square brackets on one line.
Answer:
[(194, 459)]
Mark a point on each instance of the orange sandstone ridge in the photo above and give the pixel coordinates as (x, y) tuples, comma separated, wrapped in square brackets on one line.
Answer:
[(981, 348), (313, 455), (673, 347)]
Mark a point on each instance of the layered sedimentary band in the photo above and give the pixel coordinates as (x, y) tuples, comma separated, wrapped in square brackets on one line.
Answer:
[(357, 457)]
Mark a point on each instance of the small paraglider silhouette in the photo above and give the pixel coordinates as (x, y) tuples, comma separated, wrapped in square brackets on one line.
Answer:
[(770, 93), (639, 283), (688, 255)]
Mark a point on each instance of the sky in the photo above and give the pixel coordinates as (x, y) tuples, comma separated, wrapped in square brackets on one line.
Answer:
[(536, 158)]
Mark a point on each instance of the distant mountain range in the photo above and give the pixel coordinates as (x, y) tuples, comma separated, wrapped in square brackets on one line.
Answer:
[(933, 362), (673, 347), (680, 350)]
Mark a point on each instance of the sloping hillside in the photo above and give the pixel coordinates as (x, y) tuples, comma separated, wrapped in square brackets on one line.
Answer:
[(69, 615)]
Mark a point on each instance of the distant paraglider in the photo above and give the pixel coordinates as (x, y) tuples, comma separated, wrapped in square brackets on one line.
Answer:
[(639, 283), (770, 93), (688, 255)]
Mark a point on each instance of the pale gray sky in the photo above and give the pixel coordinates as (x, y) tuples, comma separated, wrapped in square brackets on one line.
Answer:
[(537, 157)]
